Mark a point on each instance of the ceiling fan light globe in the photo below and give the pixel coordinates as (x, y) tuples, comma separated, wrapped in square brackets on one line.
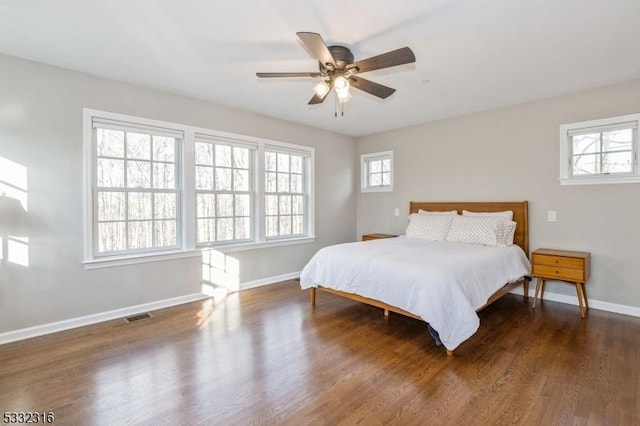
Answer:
[(322, 89), (341, 84), (343, 96)]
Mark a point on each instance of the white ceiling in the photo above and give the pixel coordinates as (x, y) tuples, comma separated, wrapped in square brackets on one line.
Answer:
[(471, 55)]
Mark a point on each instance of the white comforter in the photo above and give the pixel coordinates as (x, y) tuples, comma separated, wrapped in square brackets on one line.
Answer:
[(442, 283)]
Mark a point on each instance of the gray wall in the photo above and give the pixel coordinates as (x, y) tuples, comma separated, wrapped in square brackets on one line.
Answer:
[(506, 154), (41, 129), (512, 154)]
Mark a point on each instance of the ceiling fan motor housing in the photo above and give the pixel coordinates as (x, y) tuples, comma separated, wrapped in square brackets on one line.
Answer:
[(342, 55)]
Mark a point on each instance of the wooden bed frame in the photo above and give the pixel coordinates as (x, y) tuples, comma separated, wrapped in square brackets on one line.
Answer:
[(520, 211)]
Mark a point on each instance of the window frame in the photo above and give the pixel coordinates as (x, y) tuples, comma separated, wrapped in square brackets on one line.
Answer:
[(305, 188), (109, 121), (567, 131), (187, 245), (365, 160), (251, 192)]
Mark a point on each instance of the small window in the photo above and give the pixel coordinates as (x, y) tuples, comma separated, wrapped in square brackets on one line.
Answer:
[(377, 171), (600, 151)]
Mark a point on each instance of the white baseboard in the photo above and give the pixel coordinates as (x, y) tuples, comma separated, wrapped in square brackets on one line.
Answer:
[(573, 300), (269, 280), (54, 327)]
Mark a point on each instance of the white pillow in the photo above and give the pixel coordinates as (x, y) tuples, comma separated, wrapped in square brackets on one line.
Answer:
[(448, 213), (508, 214), (429, 227), (509, 233), (482, 230)]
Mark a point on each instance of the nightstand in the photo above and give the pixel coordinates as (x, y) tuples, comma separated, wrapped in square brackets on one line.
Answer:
[(367, 237), (562, 265)]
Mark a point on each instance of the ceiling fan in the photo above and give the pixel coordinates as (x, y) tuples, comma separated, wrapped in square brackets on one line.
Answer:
[(338, 70)]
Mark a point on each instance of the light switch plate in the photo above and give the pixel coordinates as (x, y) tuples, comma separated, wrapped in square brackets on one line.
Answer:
[(551, 216)]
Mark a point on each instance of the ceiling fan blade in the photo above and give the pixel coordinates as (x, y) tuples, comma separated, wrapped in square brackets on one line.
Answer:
[(315, 100), (318, 47), (288, 74), (370, 87), (386, 60)]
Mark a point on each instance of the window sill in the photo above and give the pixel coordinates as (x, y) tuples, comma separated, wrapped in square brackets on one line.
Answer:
[(377, 189), (155, 257), (599, 180), (229, 248), (135, 259)]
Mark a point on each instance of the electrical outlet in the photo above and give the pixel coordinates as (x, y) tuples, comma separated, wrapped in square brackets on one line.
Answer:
[(396, 212), (551, 216)]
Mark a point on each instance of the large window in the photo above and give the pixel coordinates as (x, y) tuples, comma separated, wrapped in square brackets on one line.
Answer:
[(600, 151), (136, 195), (155, 190), (377, 171), (285, 194), (224, 190)]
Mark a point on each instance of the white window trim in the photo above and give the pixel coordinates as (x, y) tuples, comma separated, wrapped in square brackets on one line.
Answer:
[(138, 258), (89, 182), (364, 184), (187, 244), (565, 150)]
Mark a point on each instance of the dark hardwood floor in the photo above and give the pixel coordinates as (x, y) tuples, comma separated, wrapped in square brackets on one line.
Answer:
[(264, 356)]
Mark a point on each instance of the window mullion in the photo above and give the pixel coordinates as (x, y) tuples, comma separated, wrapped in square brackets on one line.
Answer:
[(126, 220), (260, 193), (634, 148), (154, 219), (233, 196), (125, 158), (601, 154), (187, 214)]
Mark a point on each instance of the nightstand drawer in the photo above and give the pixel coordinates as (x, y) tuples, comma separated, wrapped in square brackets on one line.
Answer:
[(563, 262), (549, 271)]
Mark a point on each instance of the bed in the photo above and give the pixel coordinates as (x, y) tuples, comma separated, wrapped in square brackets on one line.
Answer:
[(425, 279)]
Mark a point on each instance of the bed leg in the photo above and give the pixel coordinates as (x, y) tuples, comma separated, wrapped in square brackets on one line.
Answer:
[(312, 296), (449, 352), (526, 288)]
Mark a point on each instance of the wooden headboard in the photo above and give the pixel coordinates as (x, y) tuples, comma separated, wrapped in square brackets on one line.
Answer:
[(520, 211)]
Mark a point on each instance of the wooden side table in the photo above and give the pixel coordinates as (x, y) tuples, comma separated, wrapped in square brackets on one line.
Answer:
[(367, 237), (561, 265)]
